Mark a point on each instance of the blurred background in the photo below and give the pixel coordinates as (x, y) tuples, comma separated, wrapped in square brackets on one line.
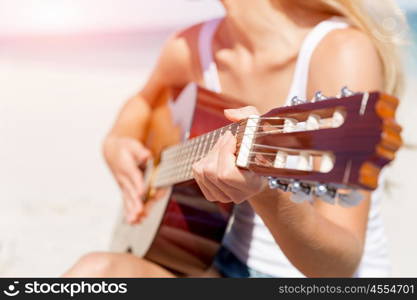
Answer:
[(66, 66)]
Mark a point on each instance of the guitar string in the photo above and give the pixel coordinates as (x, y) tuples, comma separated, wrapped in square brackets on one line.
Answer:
[(188, 175), (183, 145), (190, 147), (251, 152), (200, 148), (193, 148), (191, 143), (186, 166), (244, 121)]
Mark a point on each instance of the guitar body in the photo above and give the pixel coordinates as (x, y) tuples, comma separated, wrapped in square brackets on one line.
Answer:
[(183, 230)]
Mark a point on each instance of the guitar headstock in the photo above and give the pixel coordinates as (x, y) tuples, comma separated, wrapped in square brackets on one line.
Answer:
[(330, 147)]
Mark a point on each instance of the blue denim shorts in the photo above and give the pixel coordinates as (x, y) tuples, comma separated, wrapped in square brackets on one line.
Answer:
[(228, 265)]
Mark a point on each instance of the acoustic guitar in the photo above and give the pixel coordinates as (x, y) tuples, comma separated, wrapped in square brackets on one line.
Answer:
[(328, 148)]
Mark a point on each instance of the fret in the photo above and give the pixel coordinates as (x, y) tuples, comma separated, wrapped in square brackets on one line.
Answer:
[(179, 163), (188, 174), (186, 158), (190, 164), (190, 153), (205, 145), (196, 148), (217, 135), (208, 142), (190, 159), (202, 153), (235, 128), (212, 139), (184, 162), (195, 151), (195, 154)]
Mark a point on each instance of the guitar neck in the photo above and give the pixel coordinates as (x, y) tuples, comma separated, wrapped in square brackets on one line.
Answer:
[(177, 161), (329, 148)]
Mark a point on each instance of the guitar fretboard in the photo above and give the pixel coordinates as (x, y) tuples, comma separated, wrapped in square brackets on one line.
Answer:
[(177, 161)]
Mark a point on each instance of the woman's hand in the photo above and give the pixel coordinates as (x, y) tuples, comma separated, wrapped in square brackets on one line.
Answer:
[(124, 156), (217, 175)]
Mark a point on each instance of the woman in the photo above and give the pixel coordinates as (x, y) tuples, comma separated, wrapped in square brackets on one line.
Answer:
[(265, 52)]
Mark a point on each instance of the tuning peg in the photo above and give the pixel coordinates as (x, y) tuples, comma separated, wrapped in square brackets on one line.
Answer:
[(349, 198), (326, 193), (290, 125), (327, 162), (338, 118), (275, 183), (304, 161), (313, 122), (300, 192), (318, 96), (346, 92), (297, 187), (297, 101), (280, 159)]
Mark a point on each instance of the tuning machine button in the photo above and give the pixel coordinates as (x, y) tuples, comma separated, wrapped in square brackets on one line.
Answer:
[(275, 183), (318, 96), (297, 101), (349, 198), (326, 193), (300, 192), (346, 92)]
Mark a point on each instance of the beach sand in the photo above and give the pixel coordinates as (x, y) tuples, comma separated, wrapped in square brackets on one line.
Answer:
[(57, 199)]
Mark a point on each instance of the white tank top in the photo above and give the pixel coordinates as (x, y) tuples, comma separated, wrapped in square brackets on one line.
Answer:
[(248, 237)]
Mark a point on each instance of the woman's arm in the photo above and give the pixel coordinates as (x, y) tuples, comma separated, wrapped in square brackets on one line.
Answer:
[(123, 148), (321, 239), (173, 69)]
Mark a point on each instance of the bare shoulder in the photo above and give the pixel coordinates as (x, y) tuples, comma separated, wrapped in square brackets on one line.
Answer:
[(347, 45), (346, 57), (177, 65), (178, 60)]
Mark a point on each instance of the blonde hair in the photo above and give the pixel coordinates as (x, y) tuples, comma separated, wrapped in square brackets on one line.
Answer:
[(385, 24)]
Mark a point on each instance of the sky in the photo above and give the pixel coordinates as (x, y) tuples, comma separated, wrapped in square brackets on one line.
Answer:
[(69, 16), (33, 17), (408, 4)]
